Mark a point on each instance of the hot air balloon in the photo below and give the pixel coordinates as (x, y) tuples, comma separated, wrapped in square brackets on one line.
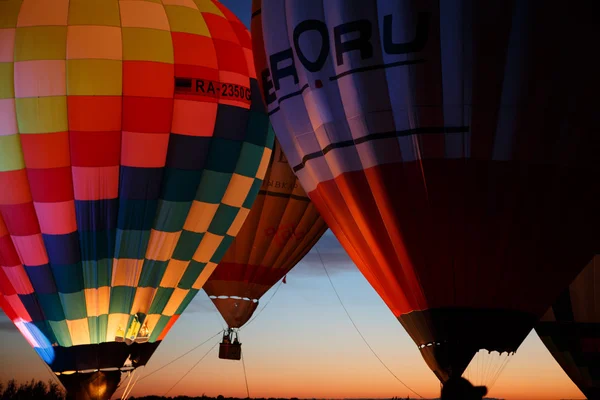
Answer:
[(283, 225), (451, 148), (133, 143), (571, 330)]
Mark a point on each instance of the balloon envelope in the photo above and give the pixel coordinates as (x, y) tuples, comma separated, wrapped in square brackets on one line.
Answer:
[(282, 227), (571, 330), (133, 143), (448, 145)]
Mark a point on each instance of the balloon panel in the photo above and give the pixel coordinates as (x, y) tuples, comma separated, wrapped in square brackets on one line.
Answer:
[(447, 145), (282, 227), (571, 330), (133, 142)]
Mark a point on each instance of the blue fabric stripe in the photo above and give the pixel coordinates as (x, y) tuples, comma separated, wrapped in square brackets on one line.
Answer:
[(41, 278), (180, 184), (63, 249), (96, 215), (187, 152), (140, 183)]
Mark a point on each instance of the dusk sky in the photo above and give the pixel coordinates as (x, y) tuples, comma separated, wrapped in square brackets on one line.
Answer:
[(303, 344)]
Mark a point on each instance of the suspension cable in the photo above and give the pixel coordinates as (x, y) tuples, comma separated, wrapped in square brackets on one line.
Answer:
[(245, 375), (183, 355), (190, 370), (263, 307), (356, 327)]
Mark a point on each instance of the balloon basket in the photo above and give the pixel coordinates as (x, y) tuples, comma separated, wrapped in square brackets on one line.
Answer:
[(230, 347), (230, 351)]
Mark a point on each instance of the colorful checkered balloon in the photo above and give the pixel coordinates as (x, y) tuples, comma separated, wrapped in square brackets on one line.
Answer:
[(133, 143)]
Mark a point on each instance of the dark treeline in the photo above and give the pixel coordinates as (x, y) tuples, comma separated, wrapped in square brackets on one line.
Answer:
[(34, 390)]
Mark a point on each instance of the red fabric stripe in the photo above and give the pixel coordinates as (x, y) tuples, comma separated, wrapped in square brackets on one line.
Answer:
[(51, 185), (147, 114), (8, 254), (20, 219), (95, 149), (462, 233), (258, 274)]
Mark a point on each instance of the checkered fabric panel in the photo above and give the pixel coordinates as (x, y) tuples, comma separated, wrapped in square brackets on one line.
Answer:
[(133, 143)]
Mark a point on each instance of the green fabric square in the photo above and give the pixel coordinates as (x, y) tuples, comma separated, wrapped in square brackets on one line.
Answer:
[(222, 249), (121, 299), (158, 328), (252, 193), (68, 278), (223, 219), (74, 305), (61, 332), (131, 244), (152, 273), (171, 215), (259, 130), (249, 161), (180, 184), (97, 274), (98, 326), (186, 301), (160, 300), (51, 306), (191, 274), (212, 186), (223, 155), (187, 245)]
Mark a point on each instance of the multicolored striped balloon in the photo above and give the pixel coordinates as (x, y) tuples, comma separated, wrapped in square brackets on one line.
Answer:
[(452, 148), (133, 142)]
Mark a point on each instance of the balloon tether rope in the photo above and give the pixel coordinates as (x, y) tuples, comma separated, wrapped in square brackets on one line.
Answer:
[(356, 327)]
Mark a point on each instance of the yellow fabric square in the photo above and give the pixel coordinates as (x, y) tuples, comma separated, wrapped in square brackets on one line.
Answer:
[(264, 163), (11, 154), (7, 83), (143, 14), (126, 272), (116, 323), (41, 43), (143, 299), (97, 301), (173, 273), (43, 13), (95, 42), (94, 12), (204, 275), (150, 321), (9, 12), (188, 20), (94, 77), (183, 3), (175, 301), (80, 331), (209, 7), (143, 44), (239, 220), (42, 114), (209, 244), (238, 189), (161, 245), (200, 216)]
